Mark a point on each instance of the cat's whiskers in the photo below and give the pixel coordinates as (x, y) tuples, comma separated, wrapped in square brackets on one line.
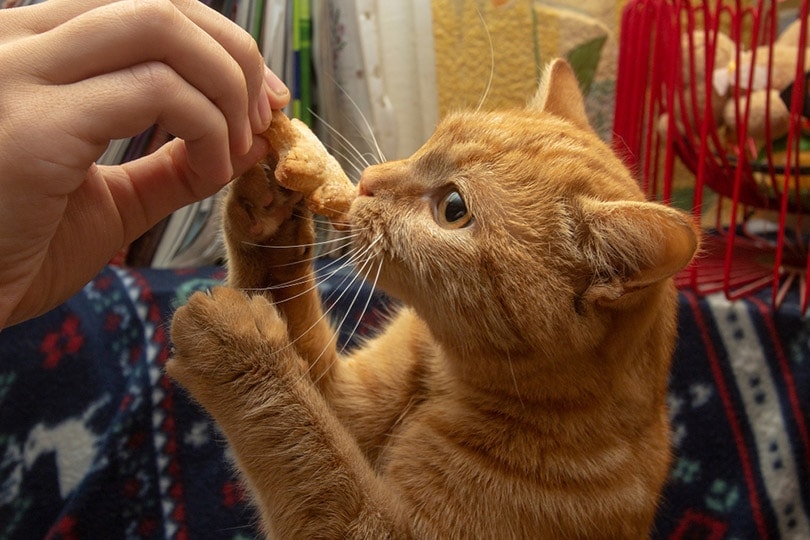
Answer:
[(348, 150), (357, 255), (294, 246), (319, 255), (328, 228), (357, 275), (320, 224), (319, 280), (343, 288), (340, 242), (365, 307), (354, 276), (351, 256), (392, 432), (362, 313)]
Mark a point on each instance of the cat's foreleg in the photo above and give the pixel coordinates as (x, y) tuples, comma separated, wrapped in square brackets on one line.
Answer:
[(306, 472), (269, 235)]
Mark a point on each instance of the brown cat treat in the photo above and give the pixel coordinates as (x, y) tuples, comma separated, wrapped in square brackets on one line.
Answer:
[(304, 165), (519, 392)]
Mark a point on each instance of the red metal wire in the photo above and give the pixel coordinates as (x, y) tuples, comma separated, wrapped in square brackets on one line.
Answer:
[(739, 260)]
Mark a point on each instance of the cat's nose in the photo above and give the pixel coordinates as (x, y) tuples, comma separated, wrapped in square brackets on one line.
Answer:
[(366, 185), (379, 179)]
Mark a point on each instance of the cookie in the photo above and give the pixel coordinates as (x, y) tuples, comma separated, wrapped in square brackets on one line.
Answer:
[(304, 165)]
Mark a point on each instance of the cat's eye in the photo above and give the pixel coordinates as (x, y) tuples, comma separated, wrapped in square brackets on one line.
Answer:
[(452, 212)]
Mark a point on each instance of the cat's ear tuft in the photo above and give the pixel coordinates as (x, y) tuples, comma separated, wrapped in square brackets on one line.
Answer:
[(632, 245), (559, 94)]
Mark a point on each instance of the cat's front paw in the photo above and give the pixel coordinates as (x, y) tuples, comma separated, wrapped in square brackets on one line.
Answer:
[(257, 206), (226, 338), (258, 213)]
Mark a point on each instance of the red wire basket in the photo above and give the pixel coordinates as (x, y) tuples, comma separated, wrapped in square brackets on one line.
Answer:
[(712, 113)]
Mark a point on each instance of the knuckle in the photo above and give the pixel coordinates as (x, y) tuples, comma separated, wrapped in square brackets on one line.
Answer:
[(156, 78), (155, 13), (250, 50), (245, 65), (243, 45)]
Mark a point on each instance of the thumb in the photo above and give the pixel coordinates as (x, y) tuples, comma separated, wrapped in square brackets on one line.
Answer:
[(149, 188)]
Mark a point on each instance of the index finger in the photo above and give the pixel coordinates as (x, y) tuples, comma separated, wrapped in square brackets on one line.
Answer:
[(237, 43)]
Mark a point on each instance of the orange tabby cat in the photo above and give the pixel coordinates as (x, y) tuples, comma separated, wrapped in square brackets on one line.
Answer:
[(520, 393)]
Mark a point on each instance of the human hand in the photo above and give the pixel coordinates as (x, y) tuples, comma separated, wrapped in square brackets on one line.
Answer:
[(75, 74)]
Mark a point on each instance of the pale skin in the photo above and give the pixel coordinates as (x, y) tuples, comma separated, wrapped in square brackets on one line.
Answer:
[(75, 74)]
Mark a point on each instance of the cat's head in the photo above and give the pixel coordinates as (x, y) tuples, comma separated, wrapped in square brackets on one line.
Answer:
[(515, 226)]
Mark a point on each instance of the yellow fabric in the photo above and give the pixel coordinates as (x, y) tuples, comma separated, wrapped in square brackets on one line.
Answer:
[(464, 59), (523, 36)]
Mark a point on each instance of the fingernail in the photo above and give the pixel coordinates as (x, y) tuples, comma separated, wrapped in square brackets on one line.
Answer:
[(265, 112), (247, 141), (275, 84)]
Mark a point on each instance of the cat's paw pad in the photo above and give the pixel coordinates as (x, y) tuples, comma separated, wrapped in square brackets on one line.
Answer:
[(258, 206), (223, 336)]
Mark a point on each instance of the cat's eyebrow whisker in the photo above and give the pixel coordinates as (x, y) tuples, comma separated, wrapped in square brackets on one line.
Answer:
[(365, 120), (344, 142), (357, 168), (491, 61)]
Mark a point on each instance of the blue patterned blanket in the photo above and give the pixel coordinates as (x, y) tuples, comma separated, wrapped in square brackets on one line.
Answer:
[(96, 442)]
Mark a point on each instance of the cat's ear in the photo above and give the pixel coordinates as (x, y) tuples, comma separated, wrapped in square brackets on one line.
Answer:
[(632, 245), (559, 94)]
